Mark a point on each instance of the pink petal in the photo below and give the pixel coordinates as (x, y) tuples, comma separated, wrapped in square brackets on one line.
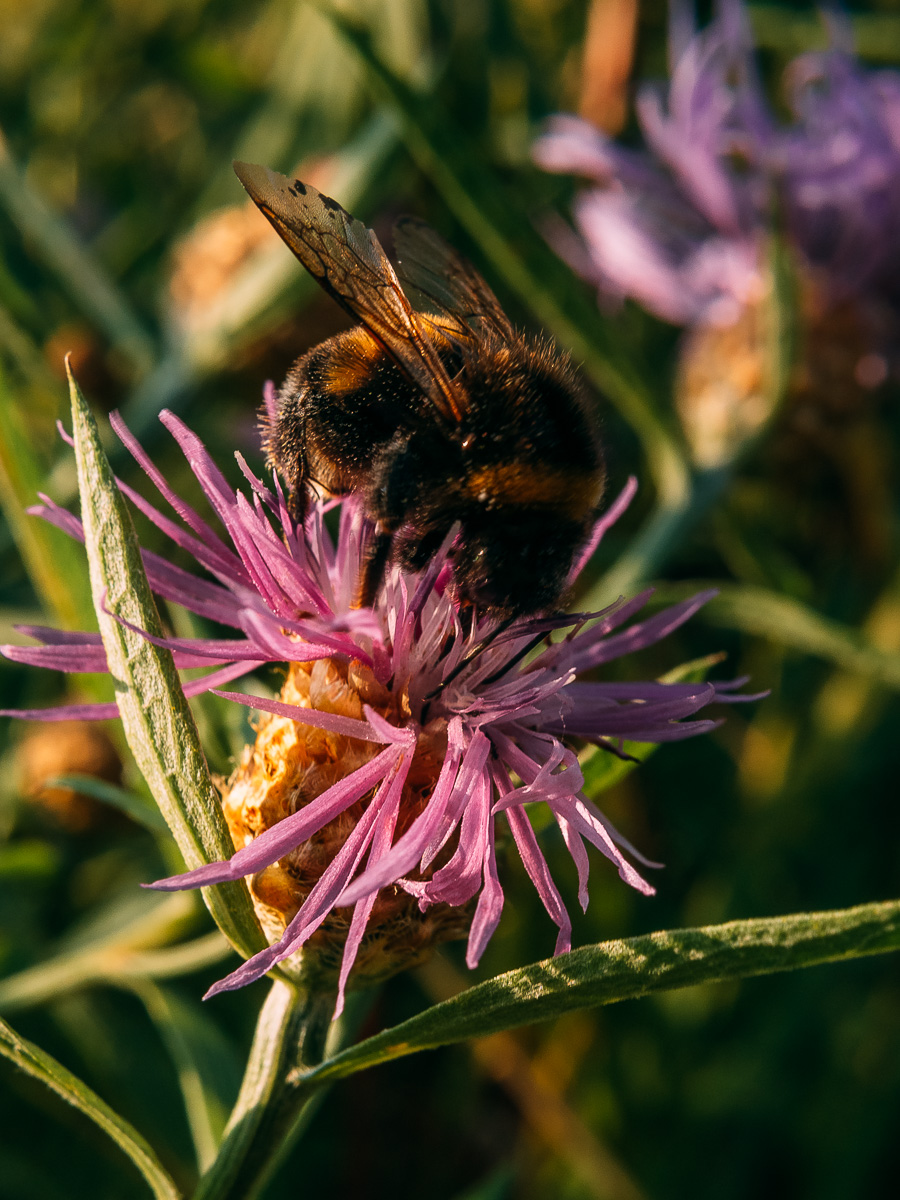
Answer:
[(321, 900), (459, 880), (402, 857), (490, 905), (283, 837), (602, 527), (381, 843), (348, 726), (539, 872)]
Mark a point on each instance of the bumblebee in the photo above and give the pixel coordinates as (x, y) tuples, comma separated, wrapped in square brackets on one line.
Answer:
[(433, 409)]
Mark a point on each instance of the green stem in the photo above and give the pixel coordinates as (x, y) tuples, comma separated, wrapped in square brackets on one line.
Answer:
[(659, 539), (270, 1112)]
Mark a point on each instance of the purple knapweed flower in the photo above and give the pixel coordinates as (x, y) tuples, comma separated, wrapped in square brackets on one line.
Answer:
[(682, 227), (366, 813)]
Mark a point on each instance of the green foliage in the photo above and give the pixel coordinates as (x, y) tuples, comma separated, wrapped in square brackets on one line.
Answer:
[(118, 129), (613, 971), (63, 1083)]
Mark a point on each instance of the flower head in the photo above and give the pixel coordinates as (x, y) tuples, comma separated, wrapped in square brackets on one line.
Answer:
[(366, 813), (681, 226)]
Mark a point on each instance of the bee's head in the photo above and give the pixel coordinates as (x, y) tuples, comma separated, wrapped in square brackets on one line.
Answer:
[(511, 567)]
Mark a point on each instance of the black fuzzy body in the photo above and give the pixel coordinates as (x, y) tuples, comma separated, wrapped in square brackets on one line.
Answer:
[(521, 471)]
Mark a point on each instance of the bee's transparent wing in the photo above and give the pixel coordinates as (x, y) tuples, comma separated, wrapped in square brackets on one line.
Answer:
[(437, 279), (347, 260)]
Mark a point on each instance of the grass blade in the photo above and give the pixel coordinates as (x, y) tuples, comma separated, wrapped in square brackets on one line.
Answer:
[(85, 280), (69, 1087), (55, 564), (788, 622)]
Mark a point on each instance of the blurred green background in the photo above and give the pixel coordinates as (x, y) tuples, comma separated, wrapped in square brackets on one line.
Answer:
[(125, 240)]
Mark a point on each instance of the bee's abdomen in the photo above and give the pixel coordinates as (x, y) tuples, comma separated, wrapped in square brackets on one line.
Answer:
[(570, 493), (532, 444)]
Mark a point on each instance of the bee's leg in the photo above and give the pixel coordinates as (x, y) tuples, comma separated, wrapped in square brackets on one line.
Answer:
[(298, 498), (376, 559), (414, 549)]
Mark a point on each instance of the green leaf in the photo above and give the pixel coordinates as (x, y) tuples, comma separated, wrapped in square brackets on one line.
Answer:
[(39, 1065), (497, 1186), (787, 622), (876, 36), (129, 803), (623, 970), (122, 943), (197, 1050), (155, 715), (603, 770), (54, 562), (54, 241)]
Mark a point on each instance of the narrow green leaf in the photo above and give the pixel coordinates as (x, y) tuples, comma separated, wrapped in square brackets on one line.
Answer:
[(122, 941), (603, 770), (497, 1186), (788, 622), (28, 859), (129, 803), (623, 970), (787, 31), (69, 1087), (171, 961), (156, 716), (54, 562), (194, 1045)]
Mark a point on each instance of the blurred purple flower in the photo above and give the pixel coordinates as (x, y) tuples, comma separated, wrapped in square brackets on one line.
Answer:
[(495, 706), (681, 227)]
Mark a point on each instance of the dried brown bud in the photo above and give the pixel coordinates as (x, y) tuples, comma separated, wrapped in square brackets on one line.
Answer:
[(72, 748), (288, 766)]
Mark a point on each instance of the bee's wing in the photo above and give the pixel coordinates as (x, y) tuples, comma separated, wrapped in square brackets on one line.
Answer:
[(437, 278), (347, 260)]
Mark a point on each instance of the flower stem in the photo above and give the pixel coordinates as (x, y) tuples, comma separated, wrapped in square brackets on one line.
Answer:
[(268, 1116), (660, 538)]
